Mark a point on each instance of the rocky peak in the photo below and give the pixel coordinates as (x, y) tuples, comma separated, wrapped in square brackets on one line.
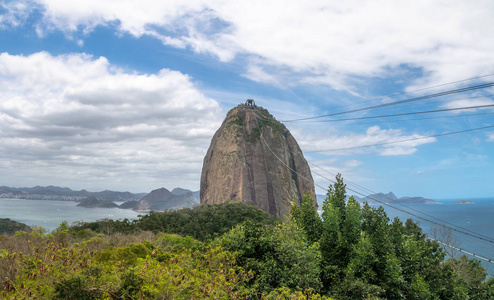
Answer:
[(254, 159)]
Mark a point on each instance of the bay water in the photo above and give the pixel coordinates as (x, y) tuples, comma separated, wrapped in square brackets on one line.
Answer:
[(49, 214)]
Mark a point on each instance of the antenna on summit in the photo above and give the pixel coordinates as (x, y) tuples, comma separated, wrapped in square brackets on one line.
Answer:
[(250, 103)]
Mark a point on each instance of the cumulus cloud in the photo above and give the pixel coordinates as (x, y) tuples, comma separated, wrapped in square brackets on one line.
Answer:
[(490, 136), (317, 42), (82, 117), (386, 142)]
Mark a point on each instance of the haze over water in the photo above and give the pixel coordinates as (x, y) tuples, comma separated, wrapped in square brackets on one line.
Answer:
[(49, 214)]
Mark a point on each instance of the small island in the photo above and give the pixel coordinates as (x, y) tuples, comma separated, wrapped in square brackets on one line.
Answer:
[(390, 197), (464, 202)]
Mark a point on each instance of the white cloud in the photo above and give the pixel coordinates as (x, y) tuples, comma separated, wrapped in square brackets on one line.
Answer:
[(490, 136), (387, 142), (398, 151), (469, 102), (13, 13), (256, 73), (83, 117), (353, 163), (317, 41)]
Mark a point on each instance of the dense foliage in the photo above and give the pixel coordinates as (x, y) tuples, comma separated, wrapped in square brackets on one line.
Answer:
[(8, 226), (146, 266), (366, 256), (279, 256), (202, 222), (349, 252)]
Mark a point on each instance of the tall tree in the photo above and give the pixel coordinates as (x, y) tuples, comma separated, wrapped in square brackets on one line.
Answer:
[(307, 218), (341, 230), (336, 196)]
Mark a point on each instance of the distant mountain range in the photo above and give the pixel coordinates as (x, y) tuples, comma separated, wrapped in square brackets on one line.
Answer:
[(65, 194), (381, 198), (160, 199)]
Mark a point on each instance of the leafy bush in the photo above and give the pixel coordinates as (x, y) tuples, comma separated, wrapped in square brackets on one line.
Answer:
[(130, 286), (278, 257), (92, 269), (76, 289)]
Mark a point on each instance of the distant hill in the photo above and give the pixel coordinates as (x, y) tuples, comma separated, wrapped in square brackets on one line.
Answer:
[(380, 198), (181, 191), (377, 198), (162, 199), (92, 201), (118, 196), (129, 204), (464, 202), (416, 200), (8, 226), (48, 190)]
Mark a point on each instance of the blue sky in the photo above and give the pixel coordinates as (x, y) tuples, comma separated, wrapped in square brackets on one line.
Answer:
[(127, 95)]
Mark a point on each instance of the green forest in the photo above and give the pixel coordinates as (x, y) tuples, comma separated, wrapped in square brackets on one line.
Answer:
[(236, 251)]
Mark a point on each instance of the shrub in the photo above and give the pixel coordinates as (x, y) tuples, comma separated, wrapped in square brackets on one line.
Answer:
[(76, 288)]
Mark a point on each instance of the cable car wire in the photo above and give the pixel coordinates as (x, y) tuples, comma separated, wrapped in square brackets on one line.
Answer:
[(405, 140), (413, 91), (470, 88), (403, 205), (410, 113), (318, 123), (487, 239)]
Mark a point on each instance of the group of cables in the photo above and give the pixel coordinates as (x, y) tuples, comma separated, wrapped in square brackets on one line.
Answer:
[(478, 239), (328, 117)]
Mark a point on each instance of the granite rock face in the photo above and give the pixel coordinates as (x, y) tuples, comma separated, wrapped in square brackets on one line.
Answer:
[(255, 160)]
